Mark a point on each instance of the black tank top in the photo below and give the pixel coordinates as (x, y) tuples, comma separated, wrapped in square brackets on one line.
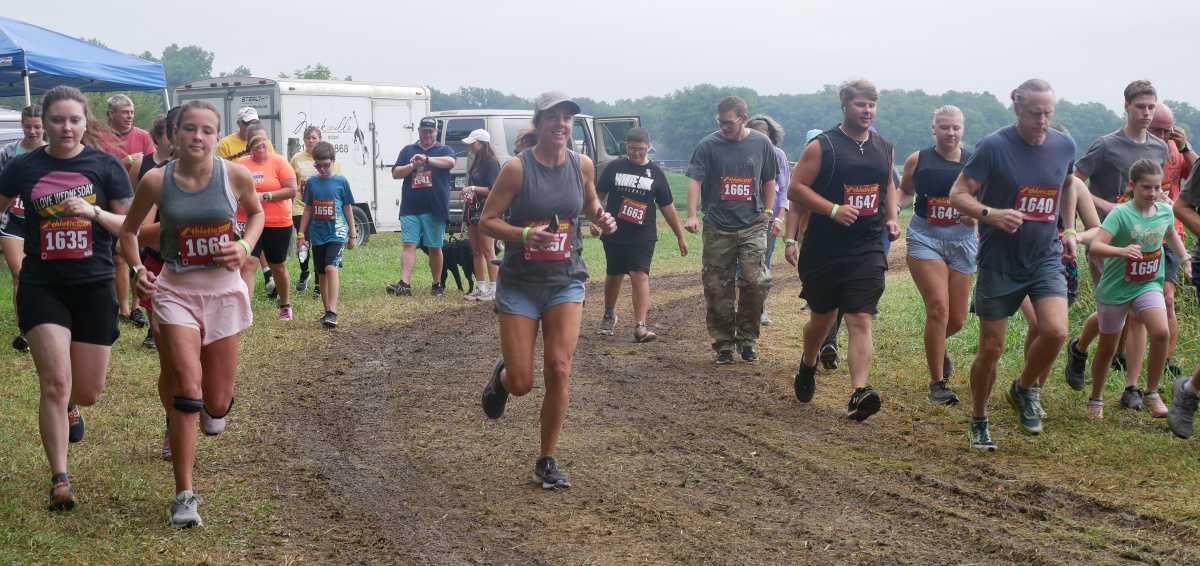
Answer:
[(849, 174), (148, 163), (934, 176)]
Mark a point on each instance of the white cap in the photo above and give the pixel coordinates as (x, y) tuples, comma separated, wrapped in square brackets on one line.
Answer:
[(247, 115), (479, 135)]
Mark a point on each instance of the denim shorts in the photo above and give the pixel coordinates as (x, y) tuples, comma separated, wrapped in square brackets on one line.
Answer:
[(956, 245), (1171, 265), (423, 229), (531, 301), (999, 295)]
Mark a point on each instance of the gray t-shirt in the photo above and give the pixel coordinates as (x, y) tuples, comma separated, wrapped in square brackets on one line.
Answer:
[(1108, 160), (731, 175)]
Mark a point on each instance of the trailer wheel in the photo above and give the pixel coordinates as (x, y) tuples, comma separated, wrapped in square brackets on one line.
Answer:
[(362, 225)]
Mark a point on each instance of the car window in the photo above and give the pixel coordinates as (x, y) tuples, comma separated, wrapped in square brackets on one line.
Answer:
[(458, 128), (612, 135), (580, 141), (513, 127)]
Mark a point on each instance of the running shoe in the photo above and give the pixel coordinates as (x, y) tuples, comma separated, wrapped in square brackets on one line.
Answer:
[(269, 287), (474, 294), (1024, 402), (329, 320), (317, 291), (285, 313), (1095, 409), (764, 319), (863, 403), (400, 289), (1118, 361), (608, 325), (1154, 403), (642, 334), (947, 367), (805, 383), (211, 425), (1076, 368), (148, 341), (494, 396), (1183, 409), (438, 289), (1038, 401), (138, 318), (940, 394), (546, 471), (724, 357), (1173, 369), (302, 281), (1131, 398), (62, 497), (981, 437), (185, 510), (829, 357), (75, 420), (489, 292), (20, 344), (749, 354)]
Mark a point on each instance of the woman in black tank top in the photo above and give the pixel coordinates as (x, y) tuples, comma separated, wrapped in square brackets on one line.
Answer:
[(544, 192)]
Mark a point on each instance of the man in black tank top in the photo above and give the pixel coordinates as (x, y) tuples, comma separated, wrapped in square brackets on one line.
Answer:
[(732, 173), (845, 178)]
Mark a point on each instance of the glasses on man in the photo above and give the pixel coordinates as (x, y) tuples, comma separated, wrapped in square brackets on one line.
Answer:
[(727, 123), (322, 166)]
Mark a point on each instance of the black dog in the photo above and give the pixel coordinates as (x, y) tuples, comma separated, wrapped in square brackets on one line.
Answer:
[(456, 257)]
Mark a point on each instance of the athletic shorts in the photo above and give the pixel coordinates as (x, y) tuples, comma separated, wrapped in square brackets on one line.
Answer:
[(531, 301), (628, 257), (327, 255), (89, 310), (12, 227), (955, 245), (424, 229), (999, 296), (1112, 317), (850, 288), (153, 263), (213, 301), (274, 244), (1171, 266)]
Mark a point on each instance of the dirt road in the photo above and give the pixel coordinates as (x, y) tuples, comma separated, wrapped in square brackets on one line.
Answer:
[(673, 459)]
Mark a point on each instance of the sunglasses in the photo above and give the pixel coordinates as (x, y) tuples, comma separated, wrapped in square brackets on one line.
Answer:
[(322, 166)]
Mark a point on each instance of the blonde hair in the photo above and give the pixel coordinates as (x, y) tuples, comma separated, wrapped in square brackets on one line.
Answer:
[(118, 101), (850, 90), (948, 110)]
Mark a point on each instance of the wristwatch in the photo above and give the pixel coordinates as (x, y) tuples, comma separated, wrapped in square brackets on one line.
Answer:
[(789, 243), (984, 212), (266, 196)]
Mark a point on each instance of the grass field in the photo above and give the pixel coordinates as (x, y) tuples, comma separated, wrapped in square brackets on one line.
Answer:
[(124, 487)]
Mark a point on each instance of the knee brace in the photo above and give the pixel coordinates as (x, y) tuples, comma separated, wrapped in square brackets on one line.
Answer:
[(187, 404), (227, 409)]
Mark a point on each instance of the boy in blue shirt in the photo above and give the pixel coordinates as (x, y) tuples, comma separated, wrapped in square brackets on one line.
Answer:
[(328, 220)]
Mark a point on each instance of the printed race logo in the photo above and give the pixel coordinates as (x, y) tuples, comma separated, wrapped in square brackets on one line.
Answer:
[(54, 188)]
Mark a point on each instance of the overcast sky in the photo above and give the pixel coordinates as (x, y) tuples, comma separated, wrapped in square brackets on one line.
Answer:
[(1089, 50)]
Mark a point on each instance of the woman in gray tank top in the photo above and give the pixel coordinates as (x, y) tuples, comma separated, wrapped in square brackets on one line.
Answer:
[(200, 302), (542, 276)]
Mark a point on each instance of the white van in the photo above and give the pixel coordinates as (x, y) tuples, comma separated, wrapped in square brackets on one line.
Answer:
[(368, 124)]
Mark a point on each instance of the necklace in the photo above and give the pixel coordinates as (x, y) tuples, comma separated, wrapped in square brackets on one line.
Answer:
[(860, 144)]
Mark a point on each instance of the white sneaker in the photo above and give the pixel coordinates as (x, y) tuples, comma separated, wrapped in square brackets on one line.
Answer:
[(185, 510), (489, 291), (475, 293), (211, 426)]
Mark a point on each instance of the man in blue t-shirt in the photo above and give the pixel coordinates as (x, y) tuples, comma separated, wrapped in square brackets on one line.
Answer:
[(328, 220), (1014, 186), (424, 204)]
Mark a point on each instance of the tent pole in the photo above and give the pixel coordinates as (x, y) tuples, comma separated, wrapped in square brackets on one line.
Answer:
[(28, 95), (166, 100)]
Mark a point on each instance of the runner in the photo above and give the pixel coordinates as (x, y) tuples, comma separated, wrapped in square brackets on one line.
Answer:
[(632, 187), (74, 196), (200, 302), (12, 221), (1106, 164), (1012, 186), (233, 146), (845, 178), (132, 143), (543, 192), (480, 178), (1187, 391), (941, 244), (424, 205), (329, 220), (275, 182), (767, 125), (302, 165), (143, 164), (1175, 171), (1131, 240), (732, 173)]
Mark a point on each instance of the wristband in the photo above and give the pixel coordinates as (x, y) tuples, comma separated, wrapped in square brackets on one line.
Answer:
[(267, 196), (246, 246), (525, 235), (789, 242), (833, 212), (1070, 232), (1185, 148)]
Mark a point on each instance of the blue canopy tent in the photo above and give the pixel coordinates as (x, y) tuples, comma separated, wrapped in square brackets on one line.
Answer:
[(34, 59)]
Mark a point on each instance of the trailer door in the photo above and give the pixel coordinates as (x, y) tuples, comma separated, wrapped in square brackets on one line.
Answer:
[(393, 126)]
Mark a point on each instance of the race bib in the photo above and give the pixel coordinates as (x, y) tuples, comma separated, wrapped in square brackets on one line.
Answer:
[(939, 212), (736, 188), (1037, 204), (17, 207), (198, 243), (557, 250), (66, 238), (1145, 269), (324, 209), (422, 179), (863, 197), (632, 211), (468, 198)]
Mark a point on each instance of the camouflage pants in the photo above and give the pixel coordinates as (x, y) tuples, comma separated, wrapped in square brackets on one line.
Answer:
[(724, 251)]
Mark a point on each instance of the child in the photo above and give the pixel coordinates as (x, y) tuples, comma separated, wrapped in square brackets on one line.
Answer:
[(328, 220), (1131, 238)]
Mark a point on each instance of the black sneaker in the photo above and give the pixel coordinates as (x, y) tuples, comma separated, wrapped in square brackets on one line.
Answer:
[(1076, 368), (863, 403), (1118, 362), (749, 354), (829, 357), (75, 423), (329, 320), (1131, 398), (302, 282), (947, 367), (724, 357), (805, 382), (149, 342), (400, 289), (494, 395), (438, 289), (317, 290), (20, 344), (546, 471), (940, 394), (138, 318)]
